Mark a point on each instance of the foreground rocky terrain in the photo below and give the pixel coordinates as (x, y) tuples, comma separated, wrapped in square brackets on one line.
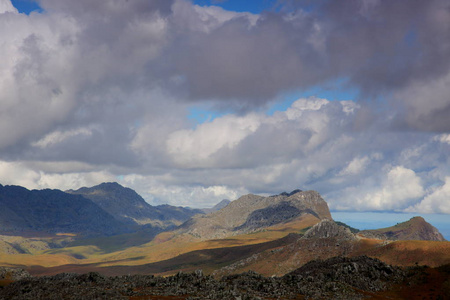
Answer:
[(335, 278)]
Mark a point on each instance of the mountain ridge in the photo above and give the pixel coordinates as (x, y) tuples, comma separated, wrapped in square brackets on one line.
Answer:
[(53, 211), (129, 207), (251, 213)]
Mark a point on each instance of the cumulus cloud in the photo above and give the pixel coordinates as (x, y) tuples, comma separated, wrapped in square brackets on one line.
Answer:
[(356, 166), (159, 190), (396, 189), (6, 6), (437, 201), (100, 91)]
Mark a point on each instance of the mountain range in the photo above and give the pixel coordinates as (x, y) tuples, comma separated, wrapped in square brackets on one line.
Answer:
[(111, 229), (53, 211), (128, 207), (102, 210)]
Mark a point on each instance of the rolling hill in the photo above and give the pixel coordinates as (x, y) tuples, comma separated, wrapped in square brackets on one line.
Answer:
[(414, 229)]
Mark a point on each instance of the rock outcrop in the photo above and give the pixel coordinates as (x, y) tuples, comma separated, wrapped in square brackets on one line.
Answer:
[(340, 277), (13, 274), (329, 229), (336, 278)]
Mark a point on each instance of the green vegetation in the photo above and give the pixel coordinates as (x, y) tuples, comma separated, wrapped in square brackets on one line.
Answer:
[(352, 229)]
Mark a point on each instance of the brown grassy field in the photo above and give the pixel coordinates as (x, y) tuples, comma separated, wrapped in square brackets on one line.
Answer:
[(168, 253), (409, 253), (163, 247)]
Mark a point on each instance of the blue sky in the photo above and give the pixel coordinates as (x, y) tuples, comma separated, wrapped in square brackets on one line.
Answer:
[(256, 7), (253, 6), (26, 6)]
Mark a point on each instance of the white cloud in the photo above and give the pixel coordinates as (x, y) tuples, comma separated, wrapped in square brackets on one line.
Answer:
[(397, 188), (194, 147), (15, 173), (59, 136), (443, 138), (356, 166), (24, 174), (158, 190), (437, 200), (6, 6)]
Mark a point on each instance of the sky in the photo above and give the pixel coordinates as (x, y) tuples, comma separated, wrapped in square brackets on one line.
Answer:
[(189, 103)]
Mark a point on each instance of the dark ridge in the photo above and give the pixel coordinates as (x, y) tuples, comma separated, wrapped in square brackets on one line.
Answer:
[(289, 194), (53, 211), (128, 207), (352, 229), (276, 214)]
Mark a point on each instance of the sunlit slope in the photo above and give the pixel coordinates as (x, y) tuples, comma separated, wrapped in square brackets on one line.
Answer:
[(165, 246), (323, 242), (414, 229), (252, 213), (410, 253)]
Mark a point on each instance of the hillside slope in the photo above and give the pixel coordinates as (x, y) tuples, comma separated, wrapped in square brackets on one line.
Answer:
[(414, 229), (328, 239), (252, 213)]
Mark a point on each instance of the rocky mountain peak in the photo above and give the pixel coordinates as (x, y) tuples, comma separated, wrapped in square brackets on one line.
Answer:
[(329, 229), (251, 213), (217, 207), (291, 193)]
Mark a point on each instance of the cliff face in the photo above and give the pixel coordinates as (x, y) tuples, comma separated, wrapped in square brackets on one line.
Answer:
[(414, 229), (251, 212)]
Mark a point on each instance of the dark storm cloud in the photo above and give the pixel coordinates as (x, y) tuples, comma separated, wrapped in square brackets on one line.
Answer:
[(379, 47), (238, 60)]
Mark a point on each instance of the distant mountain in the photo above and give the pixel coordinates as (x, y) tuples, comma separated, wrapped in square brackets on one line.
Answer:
[(53, 211), (129, 207), (253, 213), (414, 229), (217, 207)]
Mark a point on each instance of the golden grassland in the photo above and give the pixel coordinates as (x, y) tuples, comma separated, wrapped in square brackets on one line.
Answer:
[(169, 245), (409, 253), (164, 246)]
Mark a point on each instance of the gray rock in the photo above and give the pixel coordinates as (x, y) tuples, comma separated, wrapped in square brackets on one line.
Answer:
[(328, 229)]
